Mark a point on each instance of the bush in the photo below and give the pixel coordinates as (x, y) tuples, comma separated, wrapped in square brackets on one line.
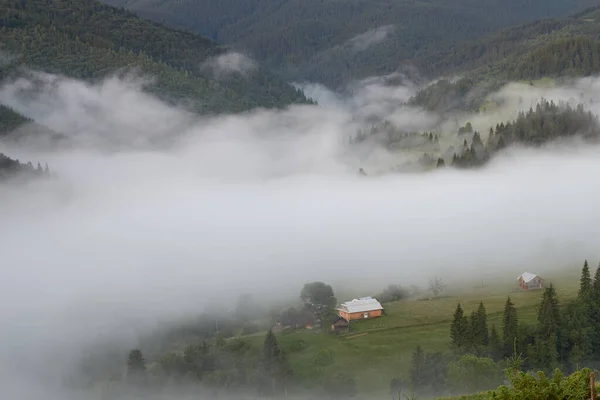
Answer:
[(474, 374), (529, 387)]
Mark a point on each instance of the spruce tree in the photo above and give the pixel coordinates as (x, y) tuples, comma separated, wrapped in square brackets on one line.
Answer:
[(548, 314), (585, 283), (481, 326), (459, 329), (417, 369), (510, 326), (276, 371), (495, 345), (136, 367)]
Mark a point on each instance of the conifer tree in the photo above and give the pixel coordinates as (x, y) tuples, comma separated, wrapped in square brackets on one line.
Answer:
[(276, 370), (495, 347), (585, 283), (459, 329), (136, 367), (510, 326), (417, 369), (481, 326), (548, 313)]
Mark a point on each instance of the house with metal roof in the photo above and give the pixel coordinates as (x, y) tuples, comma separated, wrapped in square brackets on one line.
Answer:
[(528, 281), (361, 308)]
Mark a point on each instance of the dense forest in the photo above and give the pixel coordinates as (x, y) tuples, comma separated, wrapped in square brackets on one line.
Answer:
[(333, 42), (88, 40), (568, 47)]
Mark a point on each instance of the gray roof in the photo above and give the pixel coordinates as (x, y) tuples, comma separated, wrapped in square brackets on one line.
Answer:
[(360, 305), (527, 276)]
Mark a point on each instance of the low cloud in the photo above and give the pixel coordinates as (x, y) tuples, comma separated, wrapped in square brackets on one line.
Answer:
[(260, 202), (371, 37), (230, 62)]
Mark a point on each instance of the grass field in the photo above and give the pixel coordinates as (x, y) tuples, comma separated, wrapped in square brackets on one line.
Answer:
[(377, 350)]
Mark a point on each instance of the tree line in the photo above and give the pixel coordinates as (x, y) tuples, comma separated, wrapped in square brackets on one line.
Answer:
[(12, 168), (564, 337), (89, 40), (548, 121)]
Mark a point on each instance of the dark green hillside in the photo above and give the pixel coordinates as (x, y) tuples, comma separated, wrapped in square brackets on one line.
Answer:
[(88, 40), (553, 48), (312, 39), (10, 119)]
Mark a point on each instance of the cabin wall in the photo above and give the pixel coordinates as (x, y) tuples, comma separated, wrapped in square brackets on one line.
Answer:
[(361, 315)]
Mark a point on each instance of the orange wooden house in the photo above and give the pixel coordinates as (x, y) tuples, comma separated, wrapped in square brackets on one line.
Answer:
[(362, 308), (528, 281)]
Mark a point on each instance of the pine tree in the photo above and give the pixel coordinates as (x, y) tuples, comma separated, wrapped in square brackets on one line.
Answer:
[(510, 326), (548, 314), (495, 345), (459, 329), (136, 367), (276, 371), (481, 326), (585, 283), (417, 369)]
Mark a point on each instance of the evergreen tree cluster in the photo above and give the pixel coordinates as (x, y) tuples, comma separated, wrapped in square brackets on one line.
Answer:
[(557, 48), (548, 121), (565, 337), (88, 40), (324, 41), (11, 169), (223, 364)]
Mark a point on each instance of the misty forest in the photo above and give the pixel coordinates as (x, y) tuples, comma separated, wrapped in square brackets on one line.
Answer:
[(306, 200)]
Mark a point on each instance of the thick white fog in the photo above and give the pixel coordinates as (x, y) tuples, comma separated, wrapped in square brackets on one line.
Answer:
[(260, 202)]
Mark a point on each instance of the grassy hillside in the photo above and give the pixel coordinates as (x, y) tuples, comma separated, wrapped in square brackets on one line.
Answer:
[(87, 40), (333, 41), (563, 48), (380, 349)]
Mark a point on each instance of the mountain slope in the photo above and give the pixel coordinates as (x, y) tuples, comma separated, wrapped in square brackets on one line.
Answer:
[(88, 40), (334, 41), (559, 49)]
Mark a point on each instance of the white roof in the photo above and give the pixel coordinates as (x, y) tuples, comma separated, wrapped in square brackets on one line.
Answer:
[(361, 305), (527, 276)]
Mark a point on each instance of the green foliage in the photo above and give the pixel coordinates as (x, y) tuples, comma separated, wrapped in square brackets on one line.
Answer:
[(136, 367), (569, 47), (88, 40), (275, 369), (418, 376), (318, 298), (459, 330), (529, 387), (472, 374), (585, 283), (548, 314), (496, 348), (510, 326), (319, 40), (392, 293)]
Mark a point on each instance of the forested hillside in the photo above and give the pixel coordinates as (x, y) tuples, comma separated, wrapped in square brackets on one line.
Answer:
[(568, 47), (87, 40), (334, 41)]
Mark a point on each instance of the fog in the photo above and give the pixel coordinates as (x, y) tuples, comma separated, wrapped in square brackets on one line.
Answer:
[(259, 202)]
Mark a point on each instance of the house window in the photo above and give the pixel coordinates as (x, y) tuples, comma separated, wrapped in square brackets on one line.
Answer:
[(366, 315)]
